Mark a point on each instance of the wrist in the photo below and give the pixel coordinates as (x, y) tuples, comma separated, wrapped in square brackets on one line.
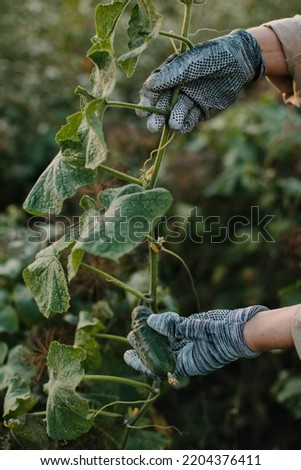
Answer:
[(270, 329), (271, 50)]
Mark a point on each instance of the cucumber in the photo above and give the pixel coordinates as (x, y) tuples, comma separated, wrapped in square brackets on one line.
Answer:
[(153, 348)]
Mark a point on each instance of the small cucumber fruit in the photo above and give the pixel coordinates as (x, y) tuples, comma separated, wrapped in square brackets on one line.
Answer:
[(153, 348)]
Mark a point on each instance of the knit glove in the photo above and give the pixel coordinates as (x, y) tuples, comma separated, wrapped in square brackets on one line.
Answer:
[(202, 342), (209, 76)]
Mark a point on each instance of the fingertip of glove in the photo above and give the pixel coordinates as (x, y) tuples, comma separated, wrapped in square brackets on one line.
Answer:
[(161, 322), (131, 357), (141, 113), (155, 122)]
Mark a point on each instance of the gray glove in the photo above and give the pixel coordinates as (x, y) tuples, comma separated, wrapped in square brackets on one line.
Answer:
[(202, 342), (210, 77)]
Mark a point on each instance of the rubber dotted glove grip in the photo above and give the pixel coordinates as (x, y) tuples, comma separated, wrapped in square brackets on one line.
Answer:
[(209, 78), (202, 342)]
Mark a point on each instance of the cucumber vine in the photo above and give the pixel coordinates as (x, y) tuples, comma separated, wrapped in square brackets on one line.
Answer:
[(79, 162)]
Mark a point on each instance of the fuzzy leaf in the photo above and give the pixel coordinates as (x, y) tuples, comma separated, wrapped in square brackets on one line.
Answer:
[(86, 330), (9, 322), (46, 279), (67, 414), (68, 134), (144, 26), (18, 399), (126, 222), (103, 75), (96, 148), (29, 431), (19, 363), (61, 179), (106, 18)]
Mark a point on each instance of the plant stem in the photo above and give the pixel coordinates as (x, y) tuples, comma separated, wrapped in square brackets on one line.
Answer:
[(141, 413), (149, 109), (153, 258), (120, 175), (186, 24), (120, 339), (120, 380), (177, 37), (115, 281), (166, 133)]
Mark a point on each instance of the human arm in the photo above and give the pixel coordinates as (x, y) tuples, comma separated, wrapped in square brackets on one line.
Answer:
[(210, 76), (271, 329), (205, 342)]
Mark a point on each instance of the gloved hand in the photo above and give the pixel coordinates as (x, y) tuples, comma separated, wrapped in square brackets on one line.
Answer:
[(210, 77), (202, 342)]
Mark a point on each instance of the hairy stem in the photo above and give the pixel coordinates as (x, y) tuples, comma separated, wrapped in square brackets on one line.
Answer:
[(153, 278), (177, 37), (149, 109), (120, 174), (120, 380), (120, 339), (115, 281)]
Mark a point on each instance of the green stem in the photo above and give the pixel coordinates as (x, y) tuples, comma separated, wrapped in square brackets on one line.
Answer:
[(108, 414), (177, 37), (120, 380), (186, 24), (120, 175), (166, 133), (141, 413), (115, 281), (165, 136), (149, 109), (120, 339), (153, 278)]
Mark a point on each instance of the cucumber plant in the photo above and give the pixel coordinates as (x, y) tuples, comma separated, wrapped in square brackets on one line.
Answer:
[(103, 232)]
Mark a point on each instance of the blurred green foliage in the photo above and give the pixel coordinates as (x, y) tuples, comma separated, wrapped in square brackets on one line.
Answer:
[(247, 157)]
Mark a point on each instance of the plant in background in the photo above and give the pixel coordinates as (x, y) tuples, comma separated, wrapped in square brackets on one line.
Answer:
[(114, 223)]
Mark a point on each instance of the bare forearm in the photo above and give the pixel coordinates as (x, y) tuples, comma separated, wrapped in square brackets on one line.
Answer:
[(270, 329), (271, 50)]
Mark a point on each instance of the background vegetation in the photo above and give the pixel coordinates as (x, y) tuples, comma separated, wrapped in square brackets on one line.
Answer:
[(249, 156)]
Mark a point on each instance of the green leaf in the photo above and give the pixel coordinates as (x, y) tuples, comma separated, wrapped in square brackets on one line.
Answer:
[(67, 414), (19, 363), (89, 326), (144, 26), (18, 399), (46, 279), (69, 132), (147, 440), (87, 220), (95, 144), (9, 322), (106, 18), (25, 305), (103, 75), (61, 179), (29, 431), (126, 222), (3, 352), (291, 294), (287, 391)]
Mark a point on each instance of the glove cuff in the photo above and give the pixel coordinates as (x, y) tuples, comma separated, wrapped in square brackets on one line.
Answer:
[(251, 53), (240, 317)]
